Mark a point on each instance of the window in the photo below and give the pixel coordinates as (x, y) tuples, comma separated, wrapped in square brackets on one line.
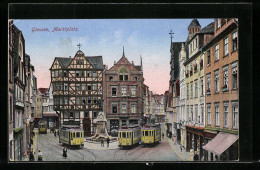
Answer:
[(225, 78), (86, 114), (202, 86), (235, 114), (225, 114), (202, 113), (89, 100), (191, 112), (77, 114), (65, 86), (82, 74), (95, 100), (88, 73), (123, 108), (126, 77), (77, 86), (123, 91), (114, 91), (121, 77), (208, 57), (65, 73), (217, 52), (234, 41), (110, 78), (123, 74), (188, 116), (196, 88), (83, 86), (95, 114), (136, 78), (94, 86), (217, 113), (94, 74), (123, 122), (208, 84), (218, 23), (187, 91), (226, 46), (78, 100), (216, 81), (196, 113), (61, 100), (71, 115), (78, 134), (114, 108), (191, 90), (89, 87), (65, 115), (133, 91), (77, 73), (234, 76), (83, 100), (209, 113), (133, 108)]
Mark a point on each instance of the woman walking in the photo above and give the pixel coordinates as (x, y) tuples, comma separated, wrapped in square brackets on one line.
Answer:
[(65, 152), (40, 155)]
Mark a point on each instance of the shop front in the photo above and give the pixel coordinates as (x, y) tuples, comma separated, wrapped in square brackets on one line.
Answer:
[(52, 120), (194, 139), (223, 147)]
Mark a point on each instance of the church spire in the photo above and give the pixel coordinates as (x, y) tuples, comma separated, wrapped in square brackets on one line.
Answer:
[(123, 52), (141, 60)]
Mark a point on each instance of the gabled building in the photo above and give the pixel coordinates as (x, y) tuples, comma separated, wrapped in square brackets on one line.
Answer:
[(77, 88), (159, 108), (19, 125), (195, 85), (123, 95), (222, 92)]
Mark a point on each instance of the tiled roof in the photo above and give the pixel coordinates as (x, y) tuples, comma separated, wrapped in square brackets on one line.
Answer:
[(96, 61), (43, 90), (64, 62), (208, 29), (194, 23), (139, 68)]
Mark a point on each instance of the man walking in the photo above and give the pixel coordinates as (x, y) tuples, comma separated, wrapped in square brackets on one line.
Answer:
[(102, 142), (65, 152), (108, 142), (31, 156)]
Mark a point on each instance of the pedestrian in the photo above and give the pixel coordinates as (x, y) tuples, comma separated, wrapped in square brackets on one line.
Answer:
[(65, 152), (196, 156), (55, 133), (31, 156), (102, 142), (170, 135), (58, 133), (40, 155), (162, 135), (108, 142)]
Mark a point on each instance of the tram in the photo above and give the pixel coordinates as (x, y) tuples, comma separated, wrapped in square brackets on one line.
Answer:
[(71, 135), (151, 134), (42, 126), (129, 136)]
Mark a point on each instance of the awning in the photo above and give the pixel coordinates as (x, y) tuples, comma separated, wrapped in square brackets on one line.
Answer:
[(220, 143)]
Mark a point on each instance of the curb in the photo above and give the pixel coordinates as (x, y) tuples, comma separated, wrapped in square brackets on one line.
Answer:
[(175, 151)]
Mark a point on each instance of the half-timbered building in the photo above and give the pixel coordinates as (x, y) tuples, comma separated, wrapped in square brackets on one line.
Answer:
[(123, 95), (77, 88)]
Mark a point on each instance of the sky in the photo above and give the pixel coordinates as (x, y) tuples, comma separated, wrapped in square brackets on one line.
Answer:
[(148, 38)]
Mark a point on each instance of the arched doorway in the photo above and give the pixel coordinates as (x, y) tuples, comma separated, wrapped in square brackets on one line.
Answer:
[(87, 126)]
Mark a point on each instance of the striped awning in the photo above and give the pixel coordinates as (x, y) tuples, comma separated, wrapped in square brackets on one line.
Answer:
[(220, 143)]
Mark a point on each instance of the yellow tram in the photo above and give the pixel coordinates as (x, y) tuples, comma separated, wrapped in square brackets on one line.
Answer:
[(151, 134), (129, 136), (42, 126), (71, 135)]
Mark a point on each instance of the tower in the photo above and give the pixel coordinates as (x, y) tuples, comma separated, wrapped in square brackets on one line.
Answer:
[(194, 27)]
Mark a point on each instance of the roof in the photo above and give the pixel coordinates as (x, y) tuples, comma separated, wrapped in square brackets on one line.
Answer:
[(95, 61), (43, 90), (220, 143), (64, 62), (139, 68), (208, 29), (194, 23)]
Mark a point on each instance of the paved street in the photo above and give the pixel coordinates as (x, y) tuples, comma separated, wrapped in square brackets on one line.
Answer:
[(52, 151)]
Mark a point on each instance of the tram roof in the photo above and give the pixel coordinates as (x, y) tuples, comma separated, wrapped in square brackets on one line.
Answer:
[(71, 128)]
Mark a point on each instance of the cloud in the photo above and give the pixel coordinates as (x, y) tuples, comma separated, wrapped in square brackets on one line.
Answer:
[(118, 37)]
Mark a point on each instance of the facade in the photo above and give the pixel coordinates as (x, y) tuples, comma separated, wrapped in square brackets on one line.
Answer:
[(77, 88), (222, 89), (146, 104), (38, 108), (19, 124), (11, 93), (159, 108), (195, 85), (123, 95)]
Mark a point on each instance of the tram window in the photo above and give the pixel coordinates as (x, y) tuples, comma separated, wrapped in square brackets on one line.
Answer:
[(146, 133), (151, 133), (78, 134), (119, 134), (73, 135), (123, 135), (130, 134), (143, 133)]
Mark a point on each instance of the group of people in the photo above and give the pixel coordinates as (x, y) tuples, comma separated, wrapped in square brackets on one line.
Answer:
[(102, 142), (31, 155)]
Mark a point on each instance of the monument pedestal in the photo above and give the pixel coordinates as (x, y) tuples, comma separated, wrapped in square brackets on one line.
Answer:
[(101, 130)]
